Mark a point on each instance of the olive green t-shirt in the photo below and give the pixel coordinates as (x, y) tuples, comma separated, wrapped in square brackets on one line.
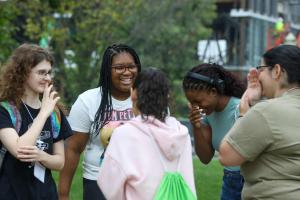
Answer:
[(268, 137)]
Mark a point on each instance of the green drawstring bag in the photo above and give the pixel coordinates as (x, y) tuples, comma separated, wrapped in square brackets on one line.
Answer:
[(174, 187)]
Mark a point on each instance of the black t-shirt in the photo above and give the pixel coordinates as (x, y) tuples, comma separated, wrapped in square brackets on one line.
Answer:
[(17, 181)]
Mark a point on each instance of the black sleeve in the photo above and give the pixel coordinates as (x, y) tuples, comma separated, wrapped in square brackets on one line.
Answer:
[(5, 121), (65, 129)]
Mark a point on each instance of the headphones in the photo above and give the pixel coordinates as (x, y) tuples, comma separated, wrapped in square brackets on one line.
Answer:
[(214, 82)]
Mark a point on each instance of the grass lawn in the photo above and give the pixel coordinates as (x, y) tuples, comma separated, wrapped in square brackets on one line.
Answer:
[(208, 180), (76, 190)]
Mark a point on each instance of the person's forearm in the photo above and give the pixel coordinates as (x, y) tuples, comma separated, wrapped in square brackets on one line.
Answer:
[(12, 141), (67, 173), (203, 150), (57, 160), (31, 135), (74, 146), (53, 162)]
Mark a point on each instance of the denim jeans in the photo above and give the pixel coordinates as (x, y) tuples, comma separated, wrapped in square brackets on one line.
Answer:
[(232, 185)]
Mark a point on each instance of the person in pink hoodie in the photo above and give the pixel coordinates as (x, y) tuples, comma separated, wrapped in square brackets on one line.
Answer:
[(140, 151)]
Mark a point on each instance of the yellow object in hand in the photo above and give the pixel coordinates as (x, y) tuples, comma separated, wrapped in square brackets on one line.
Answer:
[(105, 135)]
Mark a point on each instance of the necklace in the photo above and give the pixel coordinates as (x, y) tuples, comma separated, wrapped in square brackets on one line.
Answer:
[(32, 163), (28, 110)]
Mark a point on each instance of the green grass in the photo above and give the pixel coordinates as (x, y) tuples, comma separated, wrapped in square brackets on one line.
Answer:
[(208, 180), (76, 189)]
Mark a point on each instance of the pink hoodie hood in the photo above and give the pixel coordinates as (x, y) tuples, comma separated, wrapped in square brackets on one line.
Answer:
[(126, 172), (171, 136)]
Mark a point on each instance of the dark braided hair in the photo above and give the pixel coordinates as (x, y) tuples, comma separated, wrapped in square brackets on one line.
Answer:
[(104, 111), (152, 88), (207, 76)]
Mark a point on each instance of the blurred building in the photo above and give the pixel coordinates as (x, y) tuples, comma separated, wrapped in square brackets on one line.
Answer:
[(250, 27)]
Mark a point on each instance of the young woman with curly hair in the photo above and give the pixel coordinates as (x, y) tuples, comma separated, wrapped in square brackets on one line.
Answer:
[(34, 148)]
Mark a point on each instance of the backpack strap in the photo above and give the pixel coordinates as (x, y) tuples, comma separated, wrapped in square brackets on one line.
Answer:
[(14, 114), (179, 159), (55, 122), (15, 117), (158, 152), (160, 155)]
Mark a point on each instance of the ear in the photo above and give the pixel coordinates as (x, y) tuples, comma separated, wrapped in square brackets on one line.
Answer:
[(277, 72), (213, 91), (133, 94)]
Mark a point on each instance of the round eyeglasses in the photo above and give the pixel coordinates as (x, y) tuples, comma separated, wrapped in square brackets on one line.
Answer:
[(44, 73), (121, 68)]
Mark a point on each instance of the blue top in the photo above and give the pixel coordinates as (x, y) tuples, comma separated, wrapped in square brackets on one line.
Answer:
[(221, 123)]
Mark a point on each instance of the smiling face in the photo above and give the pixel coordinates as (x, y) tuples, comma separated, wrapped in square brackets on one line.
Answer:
[(123, 74), (206, 100), (37, 79), (267, 81)]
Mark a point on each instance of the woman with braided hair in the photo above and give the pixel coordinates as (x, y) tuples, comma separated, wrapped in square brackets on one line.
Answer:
[(96, 112), (214, 95)]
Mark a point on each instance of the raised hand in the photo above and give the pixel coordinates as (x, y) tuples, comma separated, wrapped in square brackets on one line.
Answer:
[(195, 115), (49, 100), (254, 87), (253, 92)]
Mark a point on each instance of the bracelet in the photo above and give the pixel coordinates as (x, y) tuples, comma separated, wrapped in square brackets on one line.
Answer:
[(240, 116)]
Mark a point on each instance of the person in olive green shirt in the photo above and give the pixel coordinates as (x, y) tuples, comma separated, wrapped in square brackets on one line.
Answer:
[(265, 141)]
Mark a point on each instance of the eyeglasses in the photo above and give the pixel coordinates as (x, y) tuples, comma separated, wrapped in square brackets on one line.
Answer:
[(260, 67), (44, 73), (121, 68)]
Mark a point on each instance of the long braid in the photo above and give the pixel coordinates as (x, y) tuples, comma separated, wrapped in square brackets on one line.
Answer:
[(104, 112)]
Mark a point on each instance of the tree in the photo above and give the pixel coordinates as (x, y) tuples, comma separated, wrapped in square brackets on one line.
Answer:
[(7, 43), (164, 33)]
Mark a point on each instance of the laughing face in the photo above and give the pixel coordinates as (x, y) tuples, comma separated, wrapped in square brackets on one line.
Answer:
[(205, 100), (124, 71), (267, 81)]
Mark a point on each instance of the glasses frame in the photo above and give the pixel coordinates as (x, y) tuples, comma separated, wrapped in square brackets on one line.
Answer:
[(259, 68), (44, 74), (121, 68)]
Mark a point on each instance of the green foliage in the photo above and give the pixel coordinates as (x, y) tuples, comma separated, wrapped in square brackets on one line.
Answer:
[(164, 33), (7, 14)]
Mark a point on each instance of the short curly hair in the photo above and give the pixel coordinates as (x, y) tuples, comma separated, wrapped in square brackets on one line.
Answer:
[(15, 71), (153, 90)]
